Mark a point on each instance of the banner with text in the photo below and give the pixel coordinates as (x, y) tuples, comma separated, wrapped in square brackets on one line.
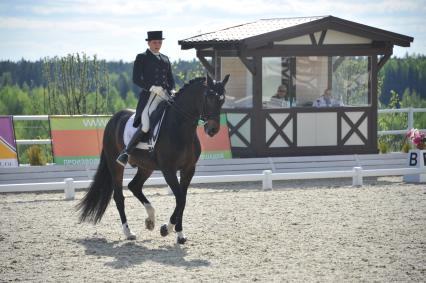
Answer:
[(8, 155), (216, 147), (77, 140)]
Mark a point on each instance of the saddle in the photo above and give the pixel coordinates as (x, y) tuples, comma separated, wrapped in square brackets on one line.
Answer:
[(155, 120)]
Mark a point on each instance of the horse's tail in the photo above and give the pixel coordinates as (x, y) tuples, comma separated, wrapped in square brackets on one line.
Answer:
[(93, 205)]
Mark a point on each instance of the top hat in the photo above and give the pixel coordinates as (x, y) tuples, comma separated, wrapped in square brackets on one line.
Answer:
[(155, 35)]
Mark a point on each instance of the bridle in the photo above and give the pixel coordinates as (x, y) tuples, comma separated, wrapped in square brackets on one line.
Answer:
[(204, 116), (213, 115)]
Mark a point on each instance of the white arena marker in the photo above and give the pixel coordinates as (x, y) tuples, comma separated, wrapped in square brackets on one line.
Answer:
[(357, 178), (69, 189), (417, 160), (267, 180)]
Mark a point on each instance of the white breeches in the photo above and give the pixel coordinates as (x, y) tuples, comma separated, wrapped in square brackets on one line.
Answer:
[(157, 95)]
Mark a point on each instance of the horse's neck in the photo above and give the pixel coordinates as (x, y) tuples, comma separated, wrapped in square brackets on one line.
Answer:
[(189, 103), (184, 116)]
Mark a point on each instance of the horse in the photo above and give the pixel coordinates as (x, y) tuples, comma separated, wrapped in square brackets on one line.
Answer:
[(177, 149)]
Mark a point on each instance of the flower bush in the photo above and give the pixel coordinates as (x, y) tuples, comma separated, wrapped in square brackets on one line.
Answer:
[(417, 138)]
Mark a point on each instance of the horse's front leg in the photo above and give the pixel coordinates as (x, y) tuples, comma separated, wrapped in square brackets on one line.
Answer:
[(185, 179), (175, 222)]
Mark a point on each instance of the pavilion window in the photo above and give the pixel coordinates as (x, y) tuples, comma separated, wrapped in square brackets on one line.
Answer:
[(239, 90), (306, 79), (350, 80)]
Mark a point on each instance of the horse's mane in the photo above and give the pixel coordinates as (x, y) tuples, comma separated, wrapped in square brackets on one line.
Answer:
[(191, 82)]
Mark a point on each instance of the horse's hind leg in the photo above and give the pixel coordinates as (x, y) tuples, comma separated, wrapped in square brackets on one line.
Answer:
[(119, 200), (135, 186)]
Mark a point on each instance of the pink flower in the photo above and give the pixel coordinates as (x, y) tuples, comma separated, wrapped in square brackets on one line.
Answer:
[(409, 133), (417, 138)]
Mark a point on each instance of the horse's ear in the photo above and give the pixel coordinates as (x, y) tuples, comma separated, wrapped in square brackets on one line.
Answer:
[(225, 80), (209, 81)]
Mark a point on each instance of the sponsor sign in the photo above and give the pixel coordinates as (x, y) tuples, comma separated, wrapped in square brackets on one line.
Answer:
[(8, 155), (217, 147), (77, 140)]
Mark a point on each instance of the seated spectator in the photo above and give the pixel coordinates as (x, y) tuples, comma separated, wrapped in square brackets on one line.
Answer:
[(326, 100), (279, 99), (281, 93)]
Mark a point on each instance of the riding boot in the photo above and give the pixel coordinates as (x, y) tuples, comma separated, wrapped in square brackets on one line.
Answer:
[(139, 136)]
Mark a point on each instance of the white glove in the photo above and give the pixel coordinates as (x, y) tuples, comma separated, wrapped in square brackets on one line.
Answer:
[(161, 92)]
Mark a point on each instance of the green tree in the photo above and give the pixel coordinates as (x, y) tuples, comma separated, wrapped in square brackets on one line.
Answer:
[(14, 101), (69, 81)]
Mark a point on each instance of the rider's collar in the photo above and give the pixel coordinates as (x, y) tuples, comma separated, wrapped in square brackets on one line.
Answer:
[(155, 53)]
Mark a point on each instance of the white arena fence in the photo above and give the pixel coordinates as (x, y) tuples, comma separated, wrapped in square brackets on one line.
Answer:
[(410, 119), (266, 177), (265, 170)]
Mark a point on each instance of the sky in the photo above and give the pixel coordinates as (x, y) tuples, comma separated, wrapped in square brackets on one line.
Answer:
[(116, 29)]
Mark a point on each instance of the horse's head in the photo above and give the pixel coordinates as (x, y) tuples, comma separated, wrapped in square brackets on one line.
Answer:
[(214, 98)]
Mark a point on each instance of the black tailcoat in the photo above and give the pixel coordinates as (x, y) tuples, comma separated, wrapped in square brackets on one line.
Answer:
[(149, 70)]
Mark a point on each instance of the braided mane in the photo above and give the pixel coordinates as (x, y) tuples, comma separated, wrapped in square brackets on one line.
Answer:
[(191, 82)]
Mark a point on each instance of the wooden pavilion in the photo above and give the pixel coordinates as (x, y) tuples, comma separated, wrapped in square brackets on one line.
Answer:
[(304, 57)]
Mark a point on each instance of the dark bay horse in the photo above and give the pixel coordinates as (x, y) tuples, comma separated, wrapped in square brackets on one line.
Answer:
[(177, 149)]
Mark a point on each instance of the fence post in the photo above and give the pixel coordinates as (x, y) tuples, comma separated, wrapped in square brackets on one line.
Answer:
[(267, 180), (410, 118), (69, 189), (357, 177)]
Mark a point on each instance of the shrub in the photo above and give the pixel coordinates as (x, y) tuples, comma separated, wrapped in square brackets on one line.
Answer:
[(405, 147), (35, 156), (383, 147)]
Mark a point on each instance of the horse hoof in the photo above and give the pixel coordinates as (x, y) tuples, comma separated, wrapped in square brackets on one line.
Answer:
[(149, 224), (181, 241), (131, 237), (164, 231)]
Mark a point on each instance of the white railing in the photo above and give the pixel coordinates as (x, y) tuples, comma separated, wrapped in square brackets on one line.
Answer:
[(32, 118), (410, 123), (266, 177)]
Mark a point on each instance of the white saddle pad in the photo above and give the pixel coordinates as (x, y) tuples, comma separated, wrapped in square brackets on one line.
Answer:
[(129, 131)]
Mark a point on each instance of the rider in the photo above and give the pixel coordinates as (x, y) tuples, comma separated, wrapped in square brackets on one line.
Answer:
[(151, 68)]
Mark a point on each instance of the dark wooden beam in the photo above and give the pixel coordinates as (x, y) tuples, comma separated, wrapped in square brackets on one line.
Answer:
[(313, 39), (221, 53), (205, 53), (322, 37), (330, 70), (206, 64), (372, 134), (217, 65), (383, 60), (249, 63), (323, 50)]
